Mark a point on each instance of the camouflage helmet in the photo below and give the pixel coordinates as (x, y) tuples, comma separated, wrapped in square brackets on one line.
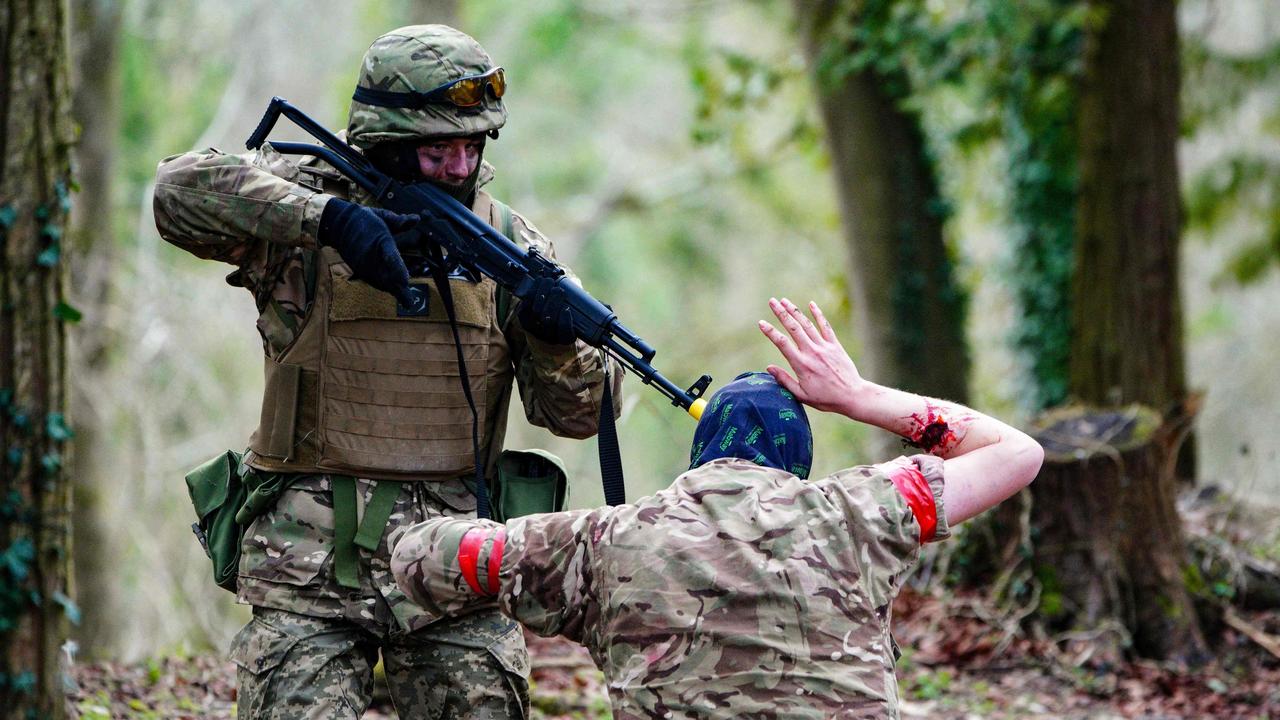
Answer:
[(418, 59)]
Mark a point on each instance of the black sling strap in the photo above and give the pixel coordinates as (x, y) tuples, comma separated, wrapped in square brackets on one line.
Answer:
[(615, 489), (441, 278)]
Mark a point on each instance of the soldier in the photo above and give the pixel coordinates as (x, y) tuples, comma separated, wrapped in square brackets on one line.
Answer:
[(365, 429), (743, 590)]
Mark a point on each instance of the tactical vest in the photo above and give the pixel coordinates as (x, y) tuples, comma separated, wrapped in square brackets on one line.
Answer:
[(365, 391)]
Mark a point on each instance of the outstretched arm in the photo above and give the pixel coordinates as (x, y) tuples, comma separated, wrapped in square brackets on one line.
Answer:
[(986, 460)]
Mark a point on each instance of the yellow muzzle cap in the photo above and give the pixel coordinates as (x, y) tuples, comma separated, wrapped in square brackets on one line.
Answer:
[(697, 407)]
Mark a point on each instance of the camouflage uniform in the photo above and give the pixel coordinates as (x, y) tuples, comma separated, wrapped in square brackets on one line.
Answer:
[(739, 591), (311, 646)]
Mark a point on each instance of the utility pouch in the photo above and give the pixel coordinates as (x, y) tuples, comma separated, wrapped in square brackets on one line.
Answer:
[(227, 496), (528, 482), (217, 493)]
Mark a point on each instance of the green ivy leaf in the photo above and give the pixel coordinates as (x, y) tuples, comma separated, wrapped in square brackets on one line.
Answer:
[(68, 606), (17, 558), (67, 313), (42, 213), (7, 216), (51, 462), (23, 682), (51, 231), (14, 457), (6, 398), (56, 425), (64, 197), (20, 420), (49, 257)]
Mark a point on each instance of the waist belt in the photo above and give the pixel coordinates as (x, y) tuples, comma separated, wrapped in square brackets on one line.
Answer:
[(347, 536)]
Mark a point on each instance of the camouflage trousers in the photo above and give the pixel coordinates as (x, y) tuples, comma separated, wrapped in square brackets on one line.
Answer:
[(297, 666)]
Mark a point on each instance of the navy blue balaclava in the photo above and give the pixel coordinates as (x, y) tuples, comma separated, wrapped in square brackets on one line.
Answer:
[(756, 419)]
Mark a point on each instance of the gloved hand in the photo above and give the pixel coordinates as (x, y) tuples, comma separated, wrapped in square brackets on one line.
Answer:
[(364, 238), (545, 315)]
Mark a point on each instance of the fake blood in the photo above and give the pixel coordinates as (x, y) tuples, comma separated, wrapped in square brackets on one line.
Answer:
[(931, 432)]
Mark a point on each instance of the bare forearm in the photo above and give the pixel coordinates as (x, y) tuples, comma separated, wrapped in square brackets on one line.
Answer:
[(986, 460), (938, 427)]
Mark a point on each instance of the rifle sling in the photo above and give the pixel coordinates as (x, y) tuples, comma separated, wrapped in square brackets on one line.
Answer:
[(615, 490), (435, 260)]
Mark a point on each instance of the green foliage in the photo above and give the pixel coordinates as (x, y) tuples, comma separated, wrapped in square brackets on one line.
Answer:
[(1242, 183), (55, 424), (1017, 63), (1031, 80), (67, 313), (931, 686)]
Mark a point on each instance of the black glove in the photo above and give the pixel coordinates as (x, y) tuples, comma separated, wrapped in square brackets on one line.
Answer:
[(364, 238), (545, 315)]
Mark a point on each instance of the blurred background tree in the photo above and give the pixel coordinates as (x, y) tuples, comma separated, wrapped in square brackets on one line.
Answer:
[(898, 162)]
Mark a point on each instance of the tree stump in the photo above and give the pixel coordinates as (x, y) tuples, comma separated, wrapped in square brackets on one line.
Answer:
[(1108, 543)]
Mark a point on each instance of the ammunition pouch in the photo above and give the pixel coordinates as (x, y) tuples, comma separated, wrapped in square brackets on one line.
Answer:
[(528, 482), (227, 496)]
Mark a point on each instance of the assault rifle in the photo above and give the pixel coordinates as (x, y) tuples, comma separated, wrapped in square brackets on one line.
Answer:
[(471, 243)]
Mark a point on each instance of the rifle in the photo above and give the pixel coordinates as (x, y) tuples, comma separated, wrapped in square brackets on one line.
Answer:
[(472, 244)]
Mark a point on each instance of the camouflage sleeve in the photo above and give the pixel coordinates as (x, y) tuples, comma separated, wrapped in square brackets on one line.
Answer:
[(426, 565), (226, 207), (561, 386), (881, 519), (547, 573)]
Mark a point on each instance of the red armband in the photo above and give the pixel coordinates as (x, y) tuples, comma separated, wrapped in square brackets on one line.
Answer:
[(469, 556), (911, 483), (495, 560)]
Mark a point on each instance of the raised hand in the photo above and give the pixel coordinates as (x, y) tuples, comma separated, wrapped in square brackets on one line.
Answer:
[(825, 376)]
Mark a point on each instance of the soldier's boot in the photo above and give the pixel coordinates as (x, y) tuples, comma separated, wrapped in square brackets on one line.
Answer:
[(475, 667), (294, 666)]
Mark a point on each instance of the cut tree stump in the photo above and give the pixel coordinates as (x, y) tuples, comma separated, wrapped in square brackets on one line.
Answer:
[(1107, 540)]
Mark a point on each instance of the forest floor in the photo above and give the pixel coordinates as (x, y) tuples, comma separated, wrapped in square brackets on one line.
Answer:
[(955, 665)]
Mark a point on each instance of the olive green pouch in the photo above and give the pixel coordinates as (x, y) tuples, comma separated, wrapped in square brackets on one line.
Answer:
[(217, 493), (528, 482), (227, 496)]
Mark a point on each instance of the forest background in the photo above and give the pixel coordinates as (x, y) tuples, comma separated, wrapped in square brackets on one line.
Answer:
[(676, 154)]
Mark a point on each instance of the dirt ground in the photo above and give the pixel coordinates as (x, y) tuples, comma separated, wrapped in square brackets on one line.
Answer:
[(957, 664)]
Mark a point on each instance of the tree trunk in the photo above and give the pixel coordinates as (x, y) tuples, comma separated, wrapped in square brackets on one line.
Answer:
[(1127, 319), (910, 314), (1127, 324), (96, 27), (35, 138), (1104, 532)]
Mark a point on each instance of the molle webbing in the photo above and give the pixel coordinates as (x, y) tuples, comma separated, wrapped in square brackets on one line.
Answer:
[(389, 389), (367, 392)]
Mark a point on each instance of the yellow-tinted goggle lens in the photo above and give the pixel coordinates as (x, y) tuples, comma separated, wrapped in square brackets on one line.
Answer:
[(469, 91)]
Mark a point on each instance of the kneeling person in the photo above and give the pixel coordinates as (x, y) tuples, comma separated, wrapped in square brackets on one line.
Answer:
[(743, 589)]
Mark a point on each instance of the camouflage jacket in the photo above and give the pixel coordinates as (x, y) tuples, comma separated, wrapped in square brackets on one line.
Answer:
[(260, 212), (740, 591)]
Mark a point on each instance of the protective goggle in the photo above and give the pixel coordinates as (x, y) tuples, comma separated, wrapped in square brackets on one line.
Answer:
[(464, 92)]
